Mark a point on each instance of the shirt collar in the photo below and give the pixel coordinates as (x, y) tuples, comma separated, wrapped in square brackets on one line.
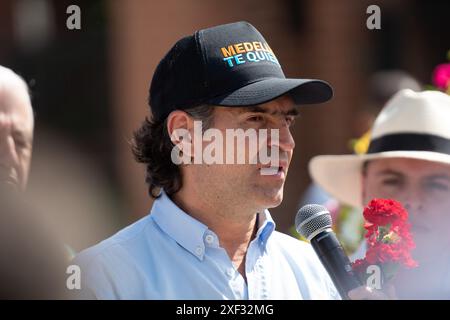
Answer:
[(184, 229), (266, 226), (190, 233)]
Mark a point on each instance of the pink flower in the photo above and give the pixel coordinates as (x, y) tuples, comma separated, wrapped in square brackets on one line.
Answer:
[(441, 76)]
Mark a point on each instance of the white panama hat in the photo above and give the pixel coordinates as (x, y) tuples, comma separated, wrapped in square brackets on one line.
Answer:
[(413, 125)]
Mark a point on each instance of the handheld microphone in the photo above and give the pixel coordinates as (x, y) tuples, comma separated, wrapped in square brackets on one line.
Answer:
[(313, 222)]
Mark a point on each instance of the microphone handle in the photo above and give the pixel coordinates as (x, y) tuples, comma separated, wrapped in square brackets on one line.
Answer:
[(335, 261)]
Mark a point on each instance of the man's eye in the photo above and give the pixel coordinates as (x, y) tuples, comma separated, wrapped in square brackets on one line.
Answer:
[(391, 182), (256, 119), (20, 143), (437, 186)]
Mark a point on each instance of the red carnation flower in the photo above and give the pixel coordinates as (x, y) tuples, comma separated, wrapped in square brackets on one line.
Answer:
[(388, 238), (382, 212)]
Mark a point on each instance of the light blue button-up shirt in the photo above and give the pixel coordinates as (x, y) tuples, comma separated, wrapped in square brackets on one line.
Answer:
[(170, 255)]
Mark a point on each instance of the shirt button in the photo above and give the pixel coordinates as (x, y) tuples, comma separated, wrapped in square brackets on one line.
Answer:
[(209, 239), (199, 251), (230, 272)]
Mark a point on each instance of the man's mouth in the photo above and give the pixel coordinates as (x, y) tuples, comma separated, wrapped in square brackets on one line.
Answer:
[(270, 171), (275, 171)]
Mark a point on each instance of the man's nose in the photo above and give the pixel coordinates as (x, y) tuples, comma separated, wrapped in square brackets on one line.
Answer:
[(413, 207), (414, 201), (285, 139)]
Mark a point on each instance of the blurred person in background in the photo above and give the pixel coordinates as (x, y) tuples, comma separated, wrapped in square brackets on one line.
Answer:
[(57, 204), (348, 221), (16, 130), (33, 257), (408, 160)]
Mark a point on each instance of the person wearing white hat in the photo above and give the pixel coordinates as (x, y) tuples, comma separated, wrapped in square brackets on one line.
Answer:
[(408, 160)]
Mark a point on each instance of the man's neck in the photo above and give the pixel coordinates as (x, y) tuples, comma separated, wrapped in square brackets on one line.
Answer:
[(234, 228)]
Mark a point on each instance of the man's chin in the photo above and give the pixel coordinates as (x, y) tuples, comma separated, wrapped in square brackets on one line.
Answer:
[(272, 201)]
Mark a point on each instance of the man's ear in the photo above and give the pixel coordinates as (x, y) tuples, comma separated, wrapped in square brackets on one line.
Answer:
[(180, 127), (178, 120)]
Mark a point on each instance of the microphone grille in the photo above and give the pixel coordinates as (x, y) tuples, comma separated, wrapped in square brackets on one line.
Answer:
[(312, 219)]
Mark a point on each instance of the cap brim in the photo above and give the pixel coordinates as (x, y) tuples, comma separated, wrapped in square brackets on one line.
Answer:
[(303, 91), (341, 175)]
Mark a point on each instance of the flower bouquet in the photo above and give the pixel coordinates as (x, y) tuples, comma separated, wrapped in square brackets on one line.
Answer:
[(389, 241)]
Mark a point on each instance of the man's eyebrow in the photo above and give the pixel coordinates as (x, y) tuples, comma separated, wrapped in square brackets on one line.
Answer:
[(390, 172), (257, 109)]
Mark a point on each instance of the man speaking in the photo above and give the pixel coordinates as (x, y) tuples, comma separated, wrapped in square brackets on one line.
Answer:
[(209, 234)]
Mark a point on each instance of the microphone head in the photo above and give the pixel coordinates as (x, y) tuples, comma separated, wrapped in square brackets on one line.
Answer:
[(312, 219)]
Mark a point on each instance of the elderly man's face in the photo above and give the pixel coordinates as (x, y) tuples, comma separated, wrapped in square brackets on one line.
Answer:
[(423, 187), (244, 185), (16, 135)]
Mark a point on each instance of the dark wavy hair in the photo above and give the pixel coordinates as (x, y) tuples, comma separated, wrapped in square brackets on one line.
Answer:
[(152, 146)]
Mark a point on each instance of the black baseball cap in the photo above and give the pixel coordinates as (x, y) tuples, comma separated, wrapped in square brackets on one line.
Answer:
[(226, 65)]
